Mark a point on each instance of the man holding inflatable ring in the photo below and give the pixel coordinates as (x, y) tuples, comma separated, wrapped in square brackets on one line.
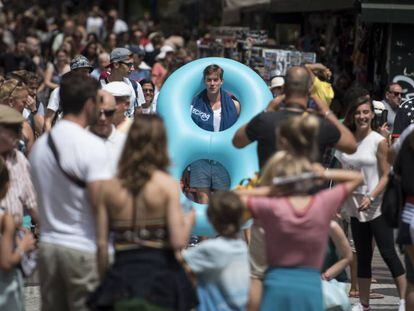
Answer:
[(214, 109)]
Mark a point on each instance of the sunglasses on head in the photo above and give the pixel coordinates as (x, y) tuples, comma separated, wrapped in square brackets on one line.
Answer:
[(107, 113)]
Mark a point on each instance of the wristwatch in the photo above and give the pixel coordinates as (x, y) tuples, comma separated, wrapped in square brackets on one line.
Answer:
[(371, 199)]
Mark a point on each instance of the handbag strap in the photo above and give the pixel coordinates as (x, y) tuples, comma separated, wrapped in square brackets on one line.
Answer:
[(80, 183)]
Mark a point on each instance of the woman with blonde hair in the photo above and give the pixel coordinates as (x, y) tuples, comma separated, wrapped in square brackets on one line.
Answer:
[(141, 208), (15, 94), (295, 221)]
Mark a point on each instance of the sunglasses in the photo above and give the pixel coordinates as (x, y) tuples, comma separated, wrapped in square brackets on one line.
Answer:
[(15, 128), (127, 64), (396, 94), (107, 113), (147, 90)]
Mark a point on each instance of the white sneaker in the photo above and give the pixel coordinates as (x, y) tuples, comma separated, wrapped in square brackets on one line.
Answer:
[(359, 307), (401, 305)]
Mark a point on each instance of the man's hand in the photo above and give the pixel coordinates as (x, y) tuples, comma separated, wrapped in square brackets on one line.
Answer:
[(275, 103)]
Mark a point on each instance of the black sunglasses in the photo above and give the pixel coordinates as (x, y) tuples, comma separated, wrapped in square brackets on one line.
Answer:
[(396, 93), (107, 113), (127, 64)]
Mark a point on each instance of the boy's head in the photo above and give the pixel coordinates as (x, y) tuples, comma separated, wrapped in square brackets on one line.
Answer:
[(225, 212)]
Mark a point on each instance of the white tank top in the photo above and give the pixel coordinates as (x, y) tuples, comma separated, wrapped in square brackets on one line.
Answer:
[(365, 161), (217, 119)]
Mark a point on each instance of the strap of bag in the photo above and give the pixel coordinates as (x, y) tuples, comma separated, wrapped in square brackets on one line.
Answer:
[(80, 183)]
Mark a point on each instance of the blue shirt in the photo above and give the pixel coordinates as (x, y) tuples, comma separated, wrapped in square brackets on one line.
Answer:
[(223, 274)]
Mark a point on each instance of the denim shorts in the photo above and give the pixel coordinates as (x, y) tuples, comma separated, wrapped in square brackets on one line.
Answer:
[(209, 174)]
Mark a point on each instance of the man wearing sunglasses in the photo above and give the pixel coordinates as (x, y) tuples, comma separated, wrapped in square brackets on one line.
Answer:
[(104, 128), (122, 64), (392, 100)]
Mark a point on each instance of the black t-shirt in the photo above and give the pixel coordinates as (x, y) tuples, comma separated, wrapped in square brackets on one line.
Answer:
[(404, 117), (262, 128), (406, 166)]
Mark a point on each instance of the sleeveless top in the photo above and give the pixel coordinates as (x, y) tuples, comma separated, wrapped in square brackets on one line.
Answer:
[(141, 232)]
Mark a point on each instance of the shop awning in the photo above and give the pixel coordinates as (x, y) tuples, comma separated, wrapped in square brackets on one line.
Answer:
[(388, 11), (283, 6), (239, 4)]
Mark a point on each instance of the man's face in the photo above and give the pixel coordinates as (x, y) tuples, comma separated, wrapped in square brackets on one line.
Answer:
[(21, 48), (394, 95), (126, 66), (277, 91), (213, 83), (137, 60), (122, 104), (9, 134), (33, 45), (83, 71), (148, 91), (103, 62), (106, 109)]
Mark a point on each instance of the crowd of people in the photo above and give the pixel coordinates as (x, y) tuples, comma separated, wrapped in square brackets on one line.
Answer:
[(86, 199)]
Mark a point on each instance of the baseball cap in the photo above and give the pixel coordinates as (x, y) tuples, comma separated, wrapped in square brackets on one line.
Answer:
[(277, 82), (80, 61), (117, 88), (137, 50), (120, 54), (9, 115), (164, 50)]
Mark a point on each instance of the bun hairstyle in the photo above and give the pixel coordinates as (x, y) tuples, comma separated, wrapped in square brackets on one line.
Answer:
[(298, 136), (285, 164), (225, 211)]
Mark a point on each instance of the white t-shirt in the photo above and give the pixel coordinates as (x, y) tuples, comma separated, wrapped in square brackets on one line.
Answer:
[(365, 161), (216, 119), (94, 24), (114, 145), (54, 100), (64, 208), (120, 26), (140, 100)]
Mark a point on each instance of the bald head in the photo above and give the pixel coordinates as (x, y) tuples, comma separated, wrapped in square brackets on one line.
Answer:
[(106, 109), (297, 82), (107, 100)]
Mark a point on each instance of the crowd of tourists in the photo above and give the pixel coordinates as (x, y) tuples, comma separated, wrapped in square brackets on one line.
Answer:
[(87, 202)]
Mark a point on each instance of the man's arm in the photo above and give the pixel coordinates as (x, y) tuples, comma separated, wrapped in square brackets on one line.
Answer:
[(96, 192), (50, 116), (346, 142), (237, 105), (240, 138)]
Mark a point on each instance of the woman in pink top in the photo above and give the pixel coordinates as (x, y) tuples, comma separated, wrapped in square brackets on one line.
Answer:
[(296, 226)]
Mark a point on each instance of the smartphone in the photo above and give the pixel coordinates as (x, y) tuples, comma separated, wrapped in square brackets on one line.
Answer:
[(383, 117), (312, 104)]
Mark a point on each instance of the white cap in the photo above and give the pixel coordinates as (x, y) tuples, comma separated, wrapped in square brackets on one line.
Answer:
[(277, 82), (117, 88), (164, 50)]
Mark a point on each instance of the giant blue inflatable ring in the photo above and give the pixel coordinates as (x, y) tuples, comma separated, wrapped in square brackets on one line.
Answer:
[(187, 142)]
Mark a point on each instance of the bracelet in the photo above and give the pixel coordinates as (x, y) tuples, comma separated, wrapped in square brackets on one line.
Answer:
[(370, 198), (327, 113)]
